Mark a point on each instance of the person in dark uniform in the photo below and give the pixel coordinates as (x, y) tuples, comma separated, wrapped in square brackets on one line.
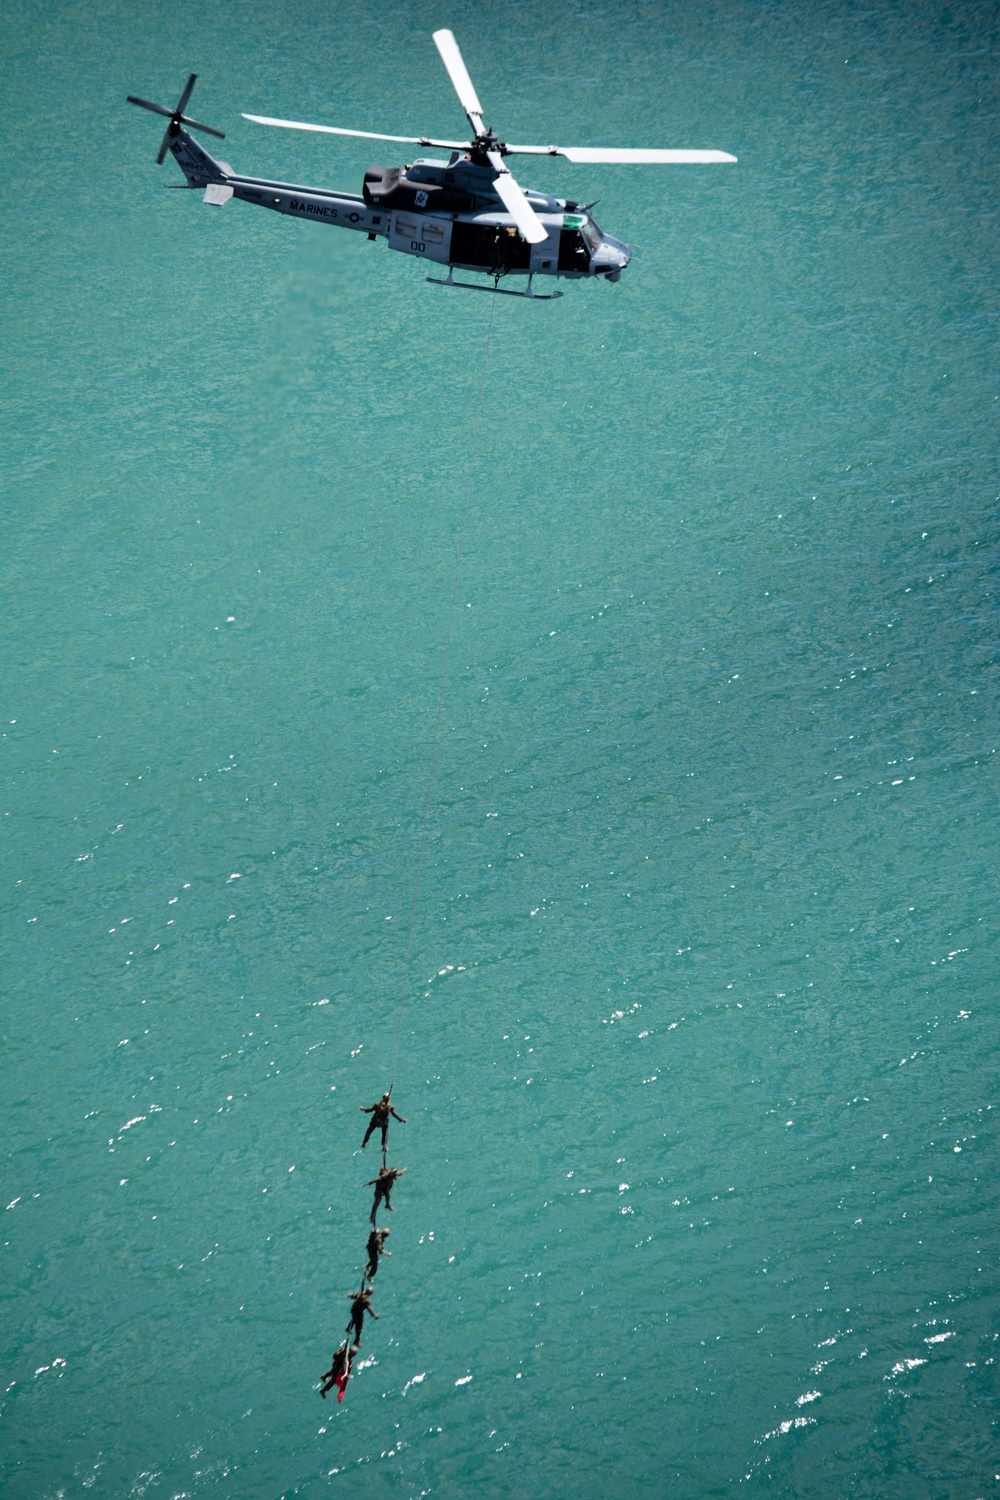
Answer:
[(376, 1249), (383, 1187), (361, 1304), (380, 1112)]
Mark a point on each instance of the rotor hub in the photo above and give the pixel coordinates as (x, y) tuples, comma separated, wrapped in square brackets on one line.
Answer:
[(485, 142)]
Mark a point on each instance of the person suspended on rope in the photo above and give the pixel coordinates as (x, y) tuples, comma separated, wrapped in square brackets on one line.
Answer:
[(380, 1112), (339, 1372), (361, 1304), (376, 1249), (383, 1187)]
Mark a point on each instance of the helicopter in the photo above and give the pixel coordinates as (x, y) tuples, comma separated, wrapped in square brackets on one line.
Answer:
[(467, 213)]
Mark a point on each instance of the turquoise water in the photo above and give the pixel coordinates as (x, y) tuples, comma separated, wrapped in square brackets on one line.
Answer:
[(699, 1062)]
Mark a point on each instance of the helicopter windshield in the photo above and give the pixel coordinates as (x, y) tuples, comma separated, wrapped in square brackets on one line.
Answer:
[(592, 235)]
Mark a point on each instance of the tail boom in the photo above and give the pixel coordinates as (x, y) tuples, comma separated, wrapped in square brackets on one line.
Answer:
[(201, 170)]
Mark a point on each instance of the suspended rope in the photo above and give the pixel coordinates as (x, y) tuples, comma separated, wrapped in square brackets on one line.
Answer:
[(441, 691), (339, 1372)]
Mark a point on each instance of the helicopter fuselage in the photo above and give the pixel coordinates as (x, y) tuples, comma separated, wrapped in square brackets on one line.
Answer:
[(442, 211)]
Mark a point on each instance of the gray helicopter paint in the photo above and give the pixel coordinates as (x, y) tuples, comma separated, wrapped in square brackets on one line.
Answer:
[(427, 236), (438, 194), (347, 210), (545, 256), (413, 234), (430, 236), (460, 172)]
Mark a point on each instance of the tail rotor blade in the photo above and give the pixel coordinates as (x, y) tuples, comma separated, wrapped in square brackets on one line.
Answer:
[(197, 125), (183, 100), (446, 44), (177, 118), (158, 109)]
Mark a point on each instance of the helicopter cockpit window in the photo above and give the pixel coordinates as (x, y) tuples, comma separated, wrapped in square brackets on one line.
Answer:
[(574, 253), (592, 235)]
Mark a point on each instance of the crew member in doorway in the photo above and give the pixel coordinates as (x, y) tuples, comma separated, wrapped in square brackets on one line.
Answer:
[(380, 1112)]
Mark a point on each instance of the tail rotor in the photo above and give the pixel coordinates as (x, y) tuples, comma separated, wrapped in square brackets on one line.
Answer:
[(177, 118)]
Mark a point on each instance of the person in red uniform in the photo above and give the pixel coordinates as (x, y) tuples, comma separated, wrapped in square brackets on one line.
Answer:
[(339, 1372)]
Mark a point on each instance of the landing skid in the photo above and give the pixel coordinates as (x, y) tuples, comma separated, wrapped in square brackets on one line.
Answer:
[(475, 286)]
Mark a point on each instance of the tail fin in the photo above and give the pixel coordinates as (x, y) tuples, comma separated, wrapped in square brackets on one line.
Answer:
[(198, 165)]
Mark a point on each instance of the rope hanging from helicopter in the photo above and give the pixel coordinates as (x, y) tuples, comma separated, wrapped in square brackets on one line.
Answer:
[(441, 692), (339, 1372), (518, 235)]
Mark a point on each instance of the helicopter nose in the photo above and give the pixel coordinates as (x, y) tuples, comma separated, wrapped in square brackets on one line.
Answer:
[(620, 255)]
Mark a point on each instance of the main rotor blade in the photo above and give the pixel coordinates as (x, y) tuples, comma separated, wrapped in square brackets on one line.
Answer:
[(667, 158), (158, 109), (446, 44), (368, 135), (182, 101), (164, 148), (197, 125), (623, 155), (516, 203)]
